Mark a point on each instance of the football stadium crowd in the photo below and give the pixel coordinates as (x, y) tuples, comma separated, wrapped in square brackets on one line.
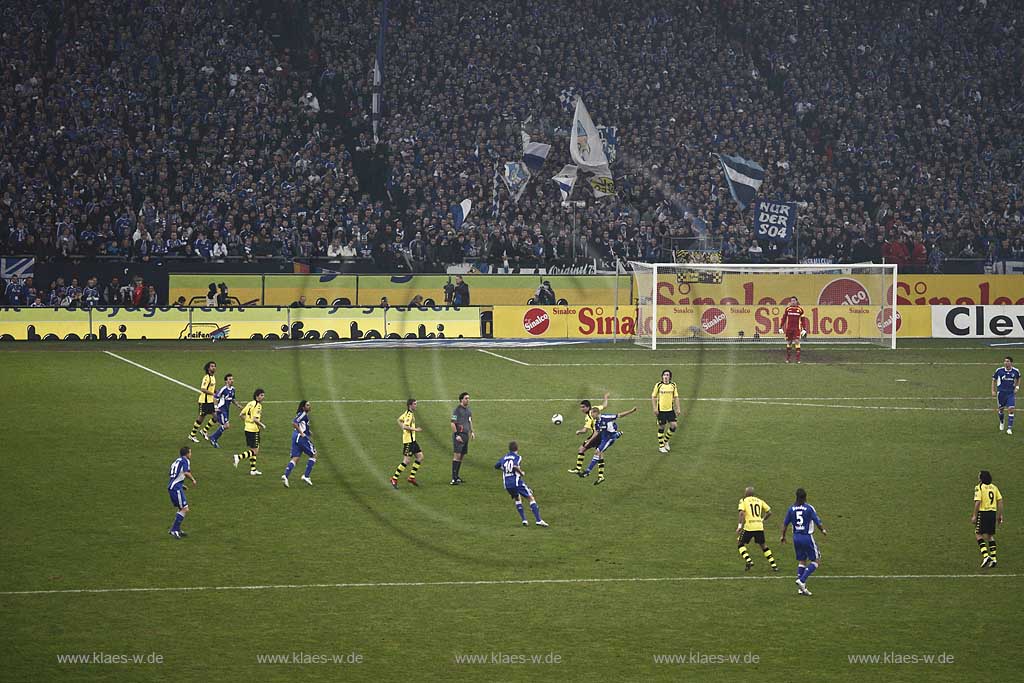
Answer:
[(242, 131)]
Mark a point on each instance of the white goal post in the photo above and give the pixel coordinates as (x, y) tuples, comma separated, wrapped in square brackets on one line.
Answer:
[(743, 302)]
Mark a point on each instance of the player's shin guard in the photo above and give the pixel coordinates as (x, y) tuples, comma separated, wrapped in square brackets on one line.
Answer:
[(746, 556), (579, 460), (669, 434), (217, 434), (983, 547), (801, 573), (521, 511), (771, 558), (209, 423), (661, 437), (199, 423), (1000, 413), (309, 467), (789, 349), (415, 468), (992, 549), (600, 468), (810, 570), (178, 519), (1009, 421), (288, 468), (798, 352), (252, 461), (535, 509), (398, 470), (593, 461)]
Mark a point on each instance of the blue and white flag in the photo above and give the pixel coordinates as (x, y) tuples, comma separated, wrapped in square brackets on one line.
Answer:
[(516, 176), (378, 71), (460, 212), (775, 221), (566, 180), (495, 199), (585, 144), (609, 141), (534, 153), (744, 178)]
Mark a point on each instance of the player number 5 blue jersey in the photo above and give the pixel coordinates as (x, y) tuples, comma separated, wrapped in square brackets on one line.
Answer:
[(803, 518)]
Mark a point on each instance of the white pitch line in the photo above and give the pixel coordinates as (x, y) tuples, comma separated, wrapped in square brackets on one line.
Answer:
[(499, 582), (158, 374), (857, 407), (498, 355)]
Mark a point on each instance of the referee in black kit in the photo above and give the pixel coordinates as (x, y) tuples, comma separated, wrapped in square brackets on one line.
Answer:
[(462, 432)]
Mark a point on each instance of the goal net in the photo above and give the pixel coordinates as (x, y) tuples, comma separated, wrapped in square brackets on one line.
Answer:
[(705, 302)]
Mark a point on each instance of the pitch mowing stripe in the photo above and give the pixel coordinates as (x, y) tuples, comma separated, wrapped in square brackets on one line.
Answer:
[(502, 582), (729, 399), (741, 363)]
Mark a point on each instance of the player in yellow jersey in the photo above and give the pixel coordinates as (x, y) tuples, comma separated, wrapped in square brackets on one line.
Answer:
[(252, 413), (988, 511), (207, 400), (753, 513), (410, 449), (665, 403), (594, 438)]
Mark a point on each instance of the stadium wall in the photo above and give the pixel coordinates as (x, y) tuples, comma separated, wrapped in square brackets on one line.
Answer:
[(591, 290), (275, 322)]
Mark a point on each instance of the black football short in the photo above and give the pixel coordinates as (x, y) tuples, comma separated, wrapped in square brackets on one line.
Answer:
[(410, 449), (252, 439), (592, 442), (986, 522), (756, 536), (666, 416), (206, 408)]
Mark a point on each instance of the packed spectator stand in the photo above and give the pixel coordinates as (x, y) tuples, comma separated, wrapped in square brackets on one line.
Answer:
[(240, 132)]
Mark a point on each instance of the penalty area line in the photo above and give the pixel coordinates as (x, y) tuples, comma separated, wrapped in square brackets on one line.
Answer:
[(501, 582), (150, 370), (498, 355)]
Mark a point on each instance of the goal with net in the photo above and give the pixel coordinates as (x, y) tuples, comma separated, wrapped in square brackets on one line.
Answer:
[(703, 302)]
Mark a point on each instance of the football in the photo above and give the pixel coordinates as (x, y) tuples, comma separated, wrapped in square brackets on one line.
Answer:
[(556, 419)]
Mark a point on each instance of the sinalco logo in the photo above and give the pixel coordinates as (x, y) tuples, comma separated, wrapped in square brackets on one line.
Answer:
[(536, 321)]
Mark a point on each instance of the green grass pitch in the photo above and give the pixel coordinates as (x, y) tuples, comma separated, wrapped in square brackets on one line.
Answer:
[(415, 582)]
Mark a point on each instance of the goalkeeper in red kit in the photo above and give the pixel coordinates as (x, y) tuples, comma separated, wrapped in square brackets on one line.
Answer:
[(793, 327)]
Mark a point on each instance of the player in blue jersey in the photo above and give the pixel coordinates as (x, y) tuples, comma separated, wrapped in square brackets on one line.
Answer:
[(804, 519), (511, 469), (301, 444), (180, 469), (1005, 385), (223, 400), (608, 428)]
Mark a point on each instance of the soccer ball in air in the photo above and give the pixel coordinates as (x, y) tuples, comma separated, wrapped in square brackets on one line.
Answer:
[(556, 419)]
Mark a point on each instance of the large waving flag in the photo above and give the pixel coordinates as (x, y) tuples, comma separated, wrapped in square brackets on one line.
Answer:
[(460, 212), (566, 180), (744, 178), (602, 184), (585, 143)]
